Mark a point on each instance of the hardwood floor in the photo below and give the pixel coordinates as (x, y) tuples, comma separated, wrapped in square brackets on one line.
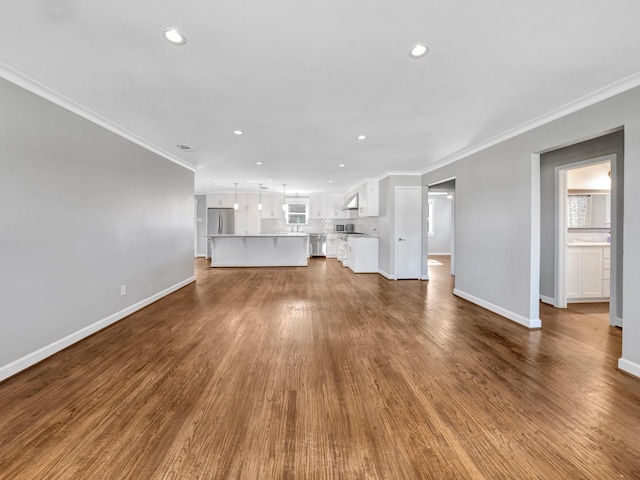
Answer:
[(320, 373)]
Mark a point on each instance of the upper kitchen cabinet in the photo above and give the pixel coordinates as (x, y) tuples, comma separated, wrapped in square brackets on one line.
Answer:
[(369, 199), (326, 206), (220, 200), (248, 202), (271, 206), (319, 206)]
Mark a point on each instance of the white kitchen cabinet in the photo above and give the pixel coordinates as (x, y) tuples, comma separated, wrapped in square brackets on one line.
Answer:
[(362, 254), (271, 206), (220, 200), (335, 206), (341, 254), (332, 245), (319, 206), (326, 206), (368, 198), (248, 202), (247, 222), (587, 273)]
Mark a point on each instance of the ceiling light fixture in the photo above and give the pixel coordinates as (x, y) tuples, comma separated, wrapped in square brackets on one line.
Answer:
[(341, 165), (361, 137), (175, 37), (330, 181), (238, 132), (419, 51), (258, 163), (235, 205)]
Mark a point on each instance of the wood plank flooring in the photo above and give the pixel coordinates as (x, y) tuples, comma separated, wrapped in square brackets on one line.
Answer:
[(317, 373)]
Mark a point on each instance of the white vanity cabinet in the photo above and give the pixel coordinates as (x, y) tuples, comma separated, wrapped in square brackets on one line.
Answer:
[(588, 273)]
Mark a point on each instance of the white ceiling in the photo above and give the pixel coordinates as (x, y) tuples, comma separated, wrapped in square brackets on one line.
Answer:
[(303, 79)]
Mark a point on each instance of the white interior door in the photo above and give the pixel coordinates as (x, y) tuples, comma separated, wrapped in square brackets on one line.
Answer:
[(408, 232)]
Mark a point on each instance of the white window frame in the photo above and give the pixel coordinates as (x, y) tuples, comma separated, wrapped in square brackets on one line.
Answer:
[(306, 213)]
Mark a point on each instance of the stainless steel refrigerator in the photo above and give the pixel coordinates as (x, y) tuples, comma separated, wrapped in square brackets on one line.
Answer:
[(219, 221)]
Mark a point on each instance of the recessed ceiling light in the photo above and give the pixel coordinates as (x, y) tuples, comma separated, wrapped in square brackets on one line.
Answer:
[(341, 165), (418, 51), (361, 137), (208, 179), (330, 181), (238, 132), (175, 37), (258, 163)]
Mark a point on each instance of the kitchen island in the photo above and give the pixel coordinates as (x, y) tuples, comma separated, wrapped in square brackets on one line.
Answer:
[(260, 250)]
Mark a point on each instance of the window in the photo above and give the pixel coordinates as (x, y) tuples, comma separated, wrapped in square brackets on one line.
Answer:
[(430, 220), (297, 213)]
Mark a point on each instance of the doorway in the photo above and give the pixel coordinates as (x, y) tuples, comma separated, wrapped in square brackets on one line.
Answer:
[(585, 228), (441, 224)]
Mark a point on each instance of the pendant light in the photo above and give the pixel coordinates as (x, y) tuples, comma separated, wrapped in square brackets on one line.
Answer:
[(284, 197), (235, 205), (259, 196)]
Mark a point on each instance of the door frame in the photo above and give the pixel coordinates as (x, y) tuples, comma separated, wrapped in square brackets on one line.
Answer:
[(561, 232), (395, 230)]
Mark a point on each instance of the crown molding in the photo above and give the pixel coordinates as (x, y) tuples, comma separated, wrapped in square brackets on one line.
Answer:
[(599, 95), (37, 88), (406, 174)]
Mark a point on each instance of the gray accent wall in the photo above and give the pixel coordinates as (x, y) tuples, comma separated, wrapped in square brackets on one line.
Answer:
[(498, 214), (83, 212)]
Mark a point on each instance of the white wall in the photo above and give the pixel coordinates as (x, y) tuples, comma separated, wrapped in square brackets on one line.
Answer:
[(497, 191), (82, 211), (440, 242)]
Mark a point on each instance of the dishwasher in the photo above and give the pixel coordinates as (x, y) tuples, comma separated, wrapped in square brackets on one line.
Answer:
[(318, 244)]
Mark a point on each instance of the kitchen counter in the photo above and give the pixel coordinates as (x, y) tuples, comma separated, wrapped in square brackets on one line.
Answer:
[(588, 244), (259, 250), (291, 234)]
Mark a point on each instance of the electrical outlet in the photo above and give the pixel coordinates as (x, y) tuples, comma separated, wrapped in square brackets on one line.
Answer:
[(123, 290)]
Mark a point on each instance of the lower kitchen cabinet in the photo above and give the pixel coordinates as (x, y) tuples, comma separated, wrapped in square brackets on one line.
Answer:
[(362, 254), (588, 273), (332, 245)]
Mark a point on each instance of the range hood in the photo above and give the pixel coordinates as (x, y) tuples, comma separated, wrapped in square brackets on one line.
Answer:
[(351, 203)]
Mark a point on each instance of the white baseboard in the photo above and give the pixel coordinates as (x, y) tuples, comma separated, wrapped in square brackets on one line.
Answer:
[(201, 255), (549, 300), (446, 254), (618, 322), (527, 322), (629, 367), (386, 275), (424, 277), (16, 366)]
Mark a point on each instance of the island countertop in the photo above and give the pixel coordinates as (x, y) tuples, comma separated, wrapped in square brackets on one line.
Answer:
[(259, 250), (293, 234)]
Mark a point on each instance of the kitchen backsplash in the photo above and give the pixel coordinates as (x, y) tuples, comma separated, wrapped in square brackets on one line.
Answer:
[(278, 225), (367, 225)]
